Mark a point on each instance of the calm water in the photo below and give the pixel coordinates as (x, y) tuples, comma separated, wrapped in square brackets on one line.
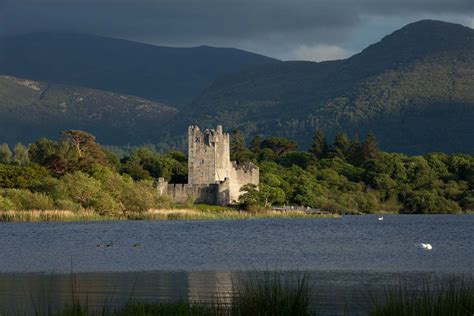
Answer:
[(192, 259)]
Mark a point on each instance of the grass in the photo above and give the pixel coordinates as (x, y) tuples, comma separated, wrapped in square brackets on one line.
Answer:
[(198, 212), (254, 294), (453, 297), (49, 216), (272, 293)]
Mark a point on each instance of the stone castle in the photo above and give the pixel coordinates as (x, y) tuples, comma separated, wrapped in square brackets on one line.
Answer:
[(212, 177)]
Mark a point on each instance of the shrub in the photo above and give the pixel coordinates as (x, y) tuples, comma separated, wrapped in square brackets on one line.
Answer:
[(68, 205), (27, 200), (6, 204), (86, 191)]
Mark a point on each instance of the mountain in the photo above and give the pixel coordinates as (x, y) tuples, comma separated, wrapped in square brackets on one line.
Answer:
[(32, 109), (171, 75), (414, 89)]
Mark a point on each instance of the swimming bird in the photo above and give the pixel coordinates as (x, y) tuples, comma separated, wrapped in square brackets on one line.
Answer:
[(426, 246), (103, 245), (380, 218)]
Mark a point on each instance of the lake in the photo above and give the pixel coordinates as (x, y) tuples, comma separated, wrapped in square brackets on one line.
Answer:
[(194, 259)]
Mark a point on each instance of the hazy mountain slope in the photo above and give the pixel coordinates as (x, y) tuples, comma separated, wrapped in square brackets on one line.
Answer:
[(31, 109), (414, 89), (172, 75)]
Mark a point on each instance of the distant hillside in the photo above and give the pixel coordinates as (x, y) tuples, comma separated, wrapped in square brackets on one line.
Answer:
[(171, 75), (31, 109), (414, 89)]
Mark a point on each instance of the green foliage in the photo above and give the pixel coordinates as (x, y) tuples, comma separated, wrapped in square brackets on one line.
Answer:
[(250, 197), (25, 200), (5, 153), (272, 294), (238, 151), (351, 177), (22, 177), (319, 147), (340, 146), (146, 164), (454, 296), (279, 145), (20, 155)]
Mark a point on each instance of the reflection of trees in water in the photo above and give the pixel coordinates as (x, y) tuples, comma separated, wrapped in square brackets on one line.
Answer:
[(209, 286)]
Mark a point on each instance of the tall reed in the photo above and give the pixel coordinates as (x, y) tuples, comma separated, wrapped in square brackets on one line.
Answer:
[(452, 297)]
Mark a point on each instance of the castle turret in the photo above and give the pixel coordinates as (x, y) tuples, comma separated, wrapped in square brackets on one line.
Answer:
[(209, 155)]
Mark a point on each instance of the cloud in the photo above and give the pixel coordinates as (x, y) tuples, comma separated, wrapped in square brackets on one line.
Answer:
[(271, 27), (321, 52)]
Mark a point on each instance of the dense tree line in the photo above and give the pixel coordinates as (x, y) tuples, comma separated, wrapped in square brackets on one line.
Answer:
[(76, 173), (344, 175), (349, 175)]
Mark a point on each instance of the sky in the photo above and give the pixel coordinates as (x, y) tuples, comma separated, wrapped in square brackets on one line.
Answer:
[(313, 30)]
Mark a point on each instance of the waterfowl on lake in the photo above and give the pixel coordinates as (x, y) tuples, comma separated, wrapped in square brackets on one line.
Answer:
[(103, 245), (426, 246)]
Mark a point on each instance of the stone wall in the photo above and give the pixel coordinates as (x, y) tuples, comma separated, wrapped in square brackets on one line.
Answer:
[(182, 192), (241, 175)]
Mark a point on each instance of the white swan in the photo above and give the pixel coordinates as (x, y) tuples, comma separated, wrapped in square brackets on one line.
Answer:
[(426, 246), (380, 218)]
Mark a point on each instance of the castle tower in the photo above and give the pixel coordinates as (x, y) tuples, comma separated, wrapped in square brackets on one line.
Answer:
[(209, 155)]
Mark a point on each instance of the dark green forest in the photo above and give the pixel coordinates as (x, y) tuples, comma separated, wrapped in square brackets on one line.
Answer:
[(341, 175)]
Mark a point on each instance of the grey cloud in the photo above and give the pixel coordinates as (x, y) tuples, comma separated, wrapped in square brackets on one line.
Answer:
[(267, 26)]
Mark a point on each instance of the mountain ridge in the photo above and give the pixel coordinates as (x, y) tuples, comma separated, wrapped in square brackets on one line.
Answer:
[(173, 75), (413, 89), (390, 82)]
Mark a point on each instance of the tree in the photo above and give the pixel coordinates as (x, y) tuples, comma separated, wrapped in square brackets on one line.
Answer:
[(20, 155), (251, 197), (370, 149), (340, 147), (80, 140), (256, 144), (354, 154), (5, 153), (238, 151), (279, 145), (87, 150), (40, 150), (319, 146)]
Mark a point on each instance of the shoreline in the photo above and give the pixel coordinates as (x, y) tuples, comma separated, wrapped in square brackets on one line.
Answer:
[(213, 213), (151, 215)]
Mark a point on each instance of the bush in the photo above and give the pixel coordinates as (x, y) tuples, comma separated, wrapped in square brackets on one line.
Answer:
[(27, 200), (21, 177), (86, 191), (68, 205), (6, 204)]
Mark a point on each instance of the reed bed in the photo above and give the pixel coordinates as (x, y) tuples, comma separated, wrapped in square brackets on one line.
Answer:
[(49, 216), (257, 294), (273, 293), (452, 297), (200, 213)]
